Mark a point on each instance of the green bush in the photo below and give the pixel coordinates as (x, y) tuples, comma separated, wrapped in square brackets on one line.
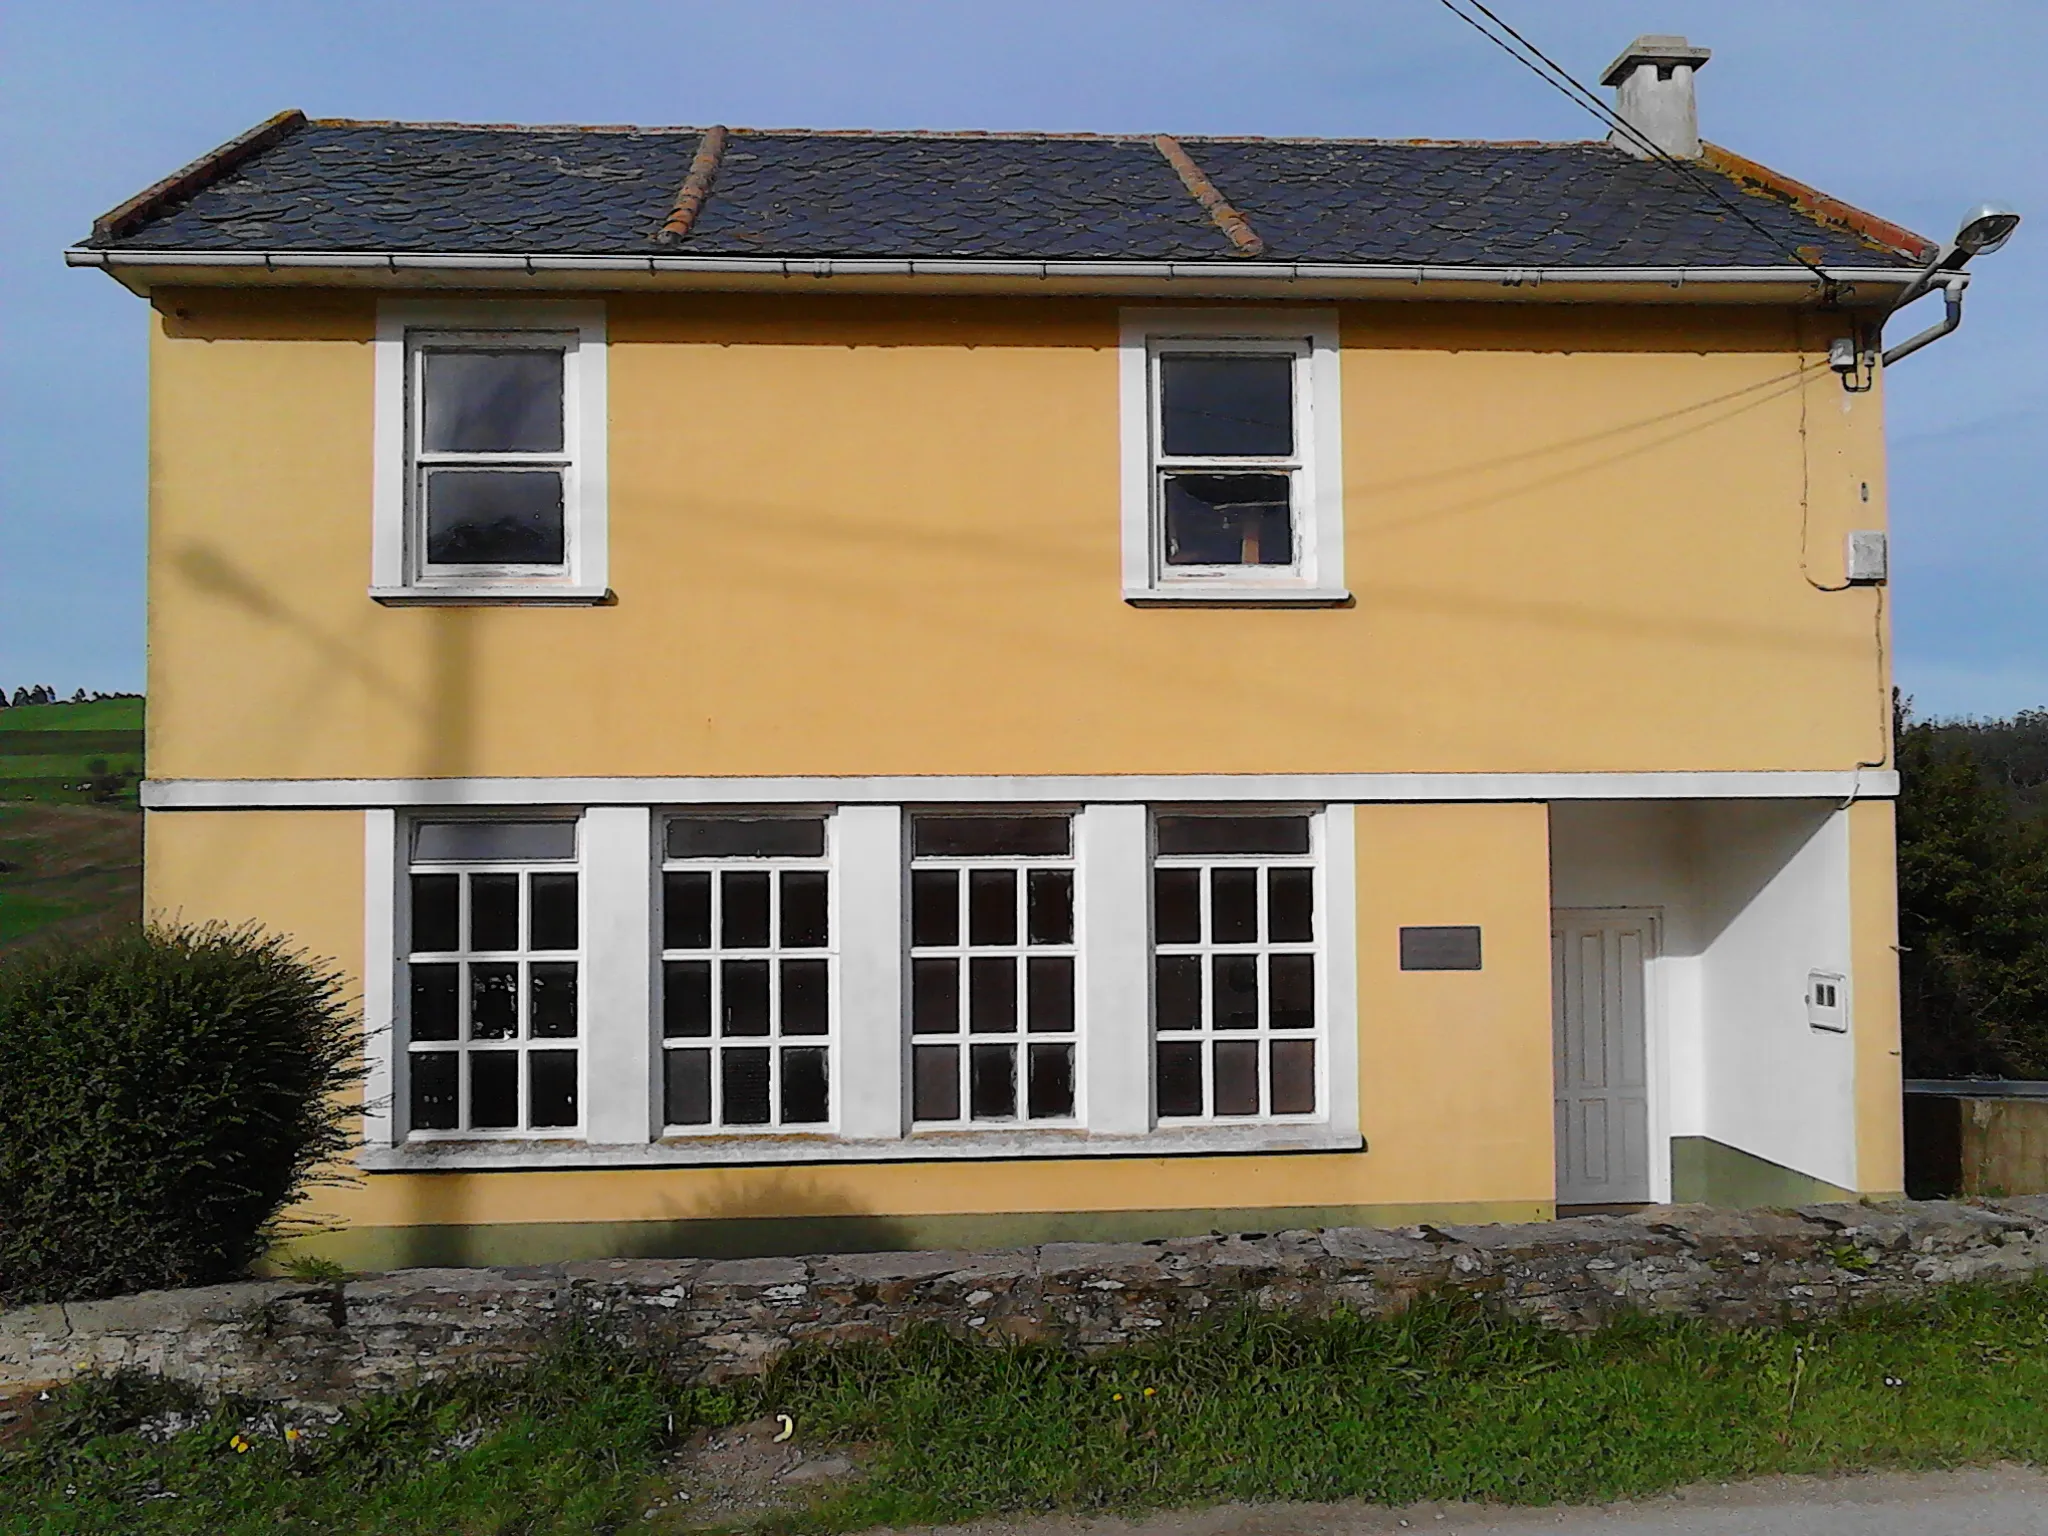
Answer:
[(164, 1095)]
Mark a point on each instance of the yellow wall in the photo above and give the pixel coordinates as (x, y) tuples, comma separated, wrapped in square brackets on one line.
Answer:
[(878, 535), (1454, 1067), (1874, 958)]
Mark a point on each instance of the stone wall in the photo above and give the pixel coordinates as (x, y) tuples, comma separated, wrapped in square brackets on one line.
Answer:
[(323, 1344)]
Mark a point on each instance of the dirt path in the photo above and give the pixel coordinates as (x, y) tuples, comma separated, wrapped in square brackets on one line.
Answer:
[(1996, 1501)]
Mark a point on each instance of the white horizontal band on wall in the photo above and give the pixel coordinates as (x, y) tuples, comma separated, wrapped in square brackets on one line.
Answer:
[(1253, 788)]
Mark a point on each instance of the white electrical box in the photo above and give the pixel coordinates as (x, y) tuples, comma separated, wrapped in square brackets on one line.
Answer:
[(1827, 1001), (1868, 556)]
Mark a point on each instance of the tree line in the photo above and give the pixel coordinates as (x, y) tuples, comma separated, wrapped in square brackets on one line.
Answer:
[(43, 693)]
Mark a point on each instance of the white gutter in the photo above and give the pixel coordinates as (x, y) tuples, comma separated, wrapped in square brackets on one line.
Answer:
[(866, 267)]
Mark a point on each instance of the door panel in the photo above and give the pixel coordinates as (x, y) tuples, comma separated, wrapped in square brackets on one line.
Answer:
[(1601, 1058)]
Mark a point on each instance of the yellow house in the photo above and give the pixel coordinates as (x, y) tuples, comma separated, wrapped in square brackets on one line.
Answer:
[(849, 690)]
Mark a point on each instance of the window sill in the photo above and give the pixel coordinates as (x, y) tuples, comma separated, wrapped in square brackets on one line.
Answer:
[(921, 1146), (1237, 597), (493, 596)]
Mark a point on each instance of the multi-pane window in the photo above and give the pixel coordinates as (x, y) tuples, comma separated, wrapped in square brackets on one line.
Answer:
[(1235, 995), (491, 476), (992, 960), (746, 973), (1227, 458), (492, 969)]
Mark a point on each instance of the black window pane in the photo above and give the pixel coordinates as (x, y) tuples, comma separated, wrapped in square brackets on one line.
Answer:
[(1291, 905), (992, 1082), (1228, 520), (1177, 905), (493, 911), (934, 906), (992, 836), (1180, 1077), (551, 918), (991, 906), (743, 1079), (743, 920), (436, 913), (1292, 979), (686, 1088), (1051, 1082), (493, 1090), (492, 402), (934, 997), (686, 998), (435, 1001), (493, 1001), (1178, 983), (743, 997), (1234, 906), (805, 1002), (553, 984), (804, 921), (1233, 834), (435, 1105), (686, 909), (494, 516), (1226, 405), (1235, 981), (1294, 1077), (551, 1088), (804, 1092), (992, 994), (1049, 906), (745, 837), (1237, 1077), (1049, 993), (464, 842), (935, 1082)]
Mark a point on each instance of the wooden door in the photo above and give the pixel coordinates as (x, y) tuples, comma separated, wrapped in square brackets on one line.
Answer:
[(1601, 1069)]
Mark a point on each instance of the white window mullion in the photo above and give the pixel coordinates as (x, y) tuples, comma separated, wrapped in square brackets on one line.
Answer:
[(869, 904), (1115, 937), (618, 992)]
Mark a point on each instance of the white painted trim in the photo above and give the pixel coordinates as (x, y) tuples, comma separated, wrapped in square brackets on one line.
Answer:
[(869, 874), (1223, 595), (586, 433), (1338, 871), (1319, 575), (1071, 789), (1235, 276), (381, 875), (617, 980), (1114, 878), (925, 1146)]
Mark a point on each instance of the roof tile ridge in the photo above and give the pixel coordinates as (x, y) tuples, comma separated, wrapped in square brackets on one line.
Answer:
[(400, 122), (1308, 138), (1233, 224), (696, 187), (199, 174), (1754, 176)]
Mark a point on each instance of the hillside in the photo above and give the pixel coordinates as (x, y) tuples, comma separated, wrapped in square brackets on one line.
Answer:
[(70, 823)]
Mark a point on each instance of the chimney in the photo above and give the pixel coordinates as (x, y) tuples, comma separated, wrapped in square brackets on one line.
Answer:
[(1652, 82)]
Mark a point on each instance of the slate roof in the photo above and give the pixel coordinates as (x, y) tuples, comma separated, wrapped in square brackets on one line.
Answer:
[(375, 187)]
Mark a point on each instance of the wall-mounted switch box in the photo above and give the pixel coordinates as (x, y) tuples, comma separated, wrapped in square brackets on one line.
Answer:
[(1827, 1001), (1868, 556)]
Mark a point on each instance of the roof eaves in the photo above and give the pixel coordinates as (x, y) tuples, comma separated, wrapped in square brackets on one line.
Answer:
[(1816, 204), (201, 173)]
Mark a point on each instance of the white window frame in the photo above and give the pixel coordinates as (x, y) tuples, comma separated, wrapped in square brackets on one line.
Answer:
[(774, 1041), (621, 853), (962, 954), (1205, 950), (521, 1044), (1316, 468), (398, 569)]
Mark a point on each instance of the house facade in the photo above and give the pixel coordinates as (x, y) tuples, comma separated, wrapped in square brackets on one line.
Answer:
[(878, 690)]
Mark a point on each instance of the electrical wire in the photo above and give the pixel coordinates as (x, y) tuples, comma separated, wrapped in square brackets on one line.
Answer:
[(1561, 80)]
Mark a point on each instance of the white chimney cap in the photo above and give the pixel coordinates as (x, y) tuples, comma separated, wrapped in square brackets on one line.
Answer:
[(1658, 48)]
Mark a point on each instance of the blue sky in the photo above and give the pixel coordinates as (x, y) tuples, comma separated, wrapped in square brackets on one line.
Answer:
[(1911, 111)]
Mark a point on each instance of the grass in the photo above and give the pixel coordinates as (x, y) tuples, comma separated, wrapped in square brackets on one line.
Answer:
[(124, 714), (1445, 1402), (70, 825)]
